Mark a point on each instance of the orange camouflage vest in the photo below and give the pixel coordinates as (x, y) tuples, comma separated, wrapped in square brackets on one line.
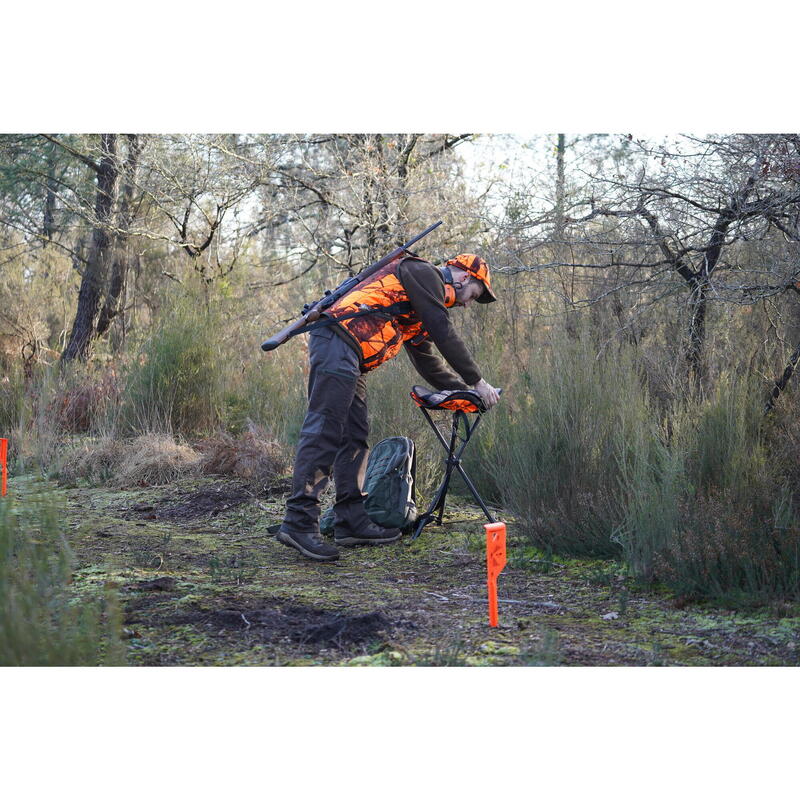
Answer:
[(379, 336)]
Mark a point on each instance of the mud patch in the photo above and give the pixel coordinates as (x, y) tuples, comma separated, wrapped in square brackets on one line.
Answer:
[(299, 624), (206, 502), (210, 501), (157, 585)]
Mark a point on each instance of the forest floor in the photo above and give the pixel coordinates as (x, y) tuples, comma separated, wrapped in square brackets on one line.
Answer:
[(202, 582)]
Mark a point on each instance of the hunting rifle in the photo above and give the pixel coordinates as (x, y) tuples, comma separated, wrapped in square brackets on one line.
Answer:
[(312, 313)]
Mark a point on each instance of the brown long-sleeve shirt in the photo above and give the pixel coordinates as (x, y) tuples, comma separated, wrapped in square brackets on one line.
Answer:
[(424, 286)]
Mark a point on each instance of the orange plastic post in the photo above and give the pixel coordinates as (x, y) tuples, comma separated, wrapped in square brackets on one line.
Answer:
[(3, 468), (495, 561)]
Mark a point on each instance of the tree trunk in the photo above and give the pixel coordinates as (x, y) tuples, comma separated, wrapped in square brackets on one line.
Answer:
[(94, 276), (560, 181), (560, 252), (122, 257), (696, 335), (698, 301), (48, 222), (780, 384)]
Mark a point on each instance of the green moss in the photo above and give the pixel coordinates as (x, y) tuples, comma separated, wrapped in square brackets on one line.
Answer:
[(388, 658), (497, 648)]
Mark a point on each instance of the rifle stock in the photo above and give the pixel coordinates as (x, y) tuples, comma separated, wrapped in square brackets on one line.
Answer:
[(283, 336)]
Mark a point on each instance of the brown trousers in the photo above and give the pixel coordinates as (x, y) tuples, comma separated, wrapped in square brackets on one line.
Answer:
[(333, 438)]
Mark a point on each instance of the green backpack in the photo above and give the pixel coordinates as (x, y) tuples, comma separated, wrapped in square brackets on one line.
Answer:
[(388, 484)]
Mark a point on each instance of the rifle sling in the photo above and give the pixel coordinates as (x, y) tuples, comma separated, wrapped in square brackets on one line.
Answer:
[(403, 307)]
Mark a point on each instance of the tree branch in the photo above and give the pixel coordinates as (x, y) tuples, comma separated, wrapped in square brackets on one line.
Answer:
[(72, 151)]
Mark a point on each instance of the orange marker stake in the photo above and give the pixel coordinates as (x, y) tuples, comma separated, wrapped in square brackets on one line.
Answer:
[(3, 468), (495, 561)]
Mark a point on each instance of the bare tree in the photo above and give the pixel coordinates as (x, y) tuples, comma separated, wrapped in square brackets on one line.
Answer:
[(122, 247), (706, 218), (346, 199), (94, 275)]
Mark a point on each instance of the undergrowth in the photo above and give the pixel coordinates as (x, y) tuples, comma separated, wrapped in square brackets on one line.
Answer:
[(694, 492), (557, 439), (41, 622), (174, 382)]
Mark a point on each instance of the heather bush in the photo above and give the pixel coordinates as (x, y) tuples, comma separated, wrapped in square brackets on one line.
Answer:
[(12, 397), (83, 396), (35, 439)]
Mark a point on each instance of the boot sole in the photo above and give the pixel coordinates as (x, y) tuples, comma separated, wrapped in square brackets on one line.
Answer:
[(352, 541), (284, 538)]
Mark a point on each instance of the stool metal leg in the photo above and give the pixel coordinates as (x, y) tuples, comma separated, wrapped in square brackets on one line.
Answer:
[(475, 494), (450, 462), (453, 461)]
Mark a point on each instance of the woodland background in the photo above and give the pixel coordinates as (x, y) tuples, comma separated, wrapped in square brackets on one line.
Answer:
[(646, 333)]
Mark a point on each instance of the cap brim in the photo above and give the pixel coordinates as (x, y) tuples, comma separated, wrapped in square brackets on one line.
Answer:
[(488, 296)]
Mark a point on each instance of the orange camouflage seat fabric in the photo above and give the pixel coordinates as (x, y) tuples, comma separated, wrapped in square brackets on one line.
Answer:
[(448, 400), (379, 336)]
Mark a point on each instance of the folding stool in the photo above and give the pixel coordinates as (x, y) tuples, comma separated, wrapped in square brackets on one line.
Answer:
[(461, 403)]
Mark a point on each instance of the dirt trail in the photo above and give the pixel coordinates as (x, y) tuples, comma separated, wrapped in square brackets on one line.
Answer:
[(203, 582)]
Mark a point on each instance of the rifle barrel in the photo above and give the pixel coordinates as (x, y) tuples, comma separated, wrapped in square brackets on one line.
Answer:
[(424, 233), (331, 297)]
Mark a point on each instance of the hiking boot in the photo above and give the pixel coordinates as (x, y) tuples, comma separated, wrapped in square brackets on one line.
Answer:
[(369, 533), (311, 545)]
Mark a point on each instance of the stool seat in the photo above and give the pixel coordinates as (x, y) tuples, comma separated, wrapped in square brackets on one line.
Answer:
[(448, 400)]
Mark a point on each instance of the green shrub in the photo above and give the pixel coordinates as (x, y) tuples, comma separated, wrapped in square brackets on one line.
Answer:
[(731, 551), (722, 438), (175, 383), (653, 485), (710, 515), (560, 436), (41, 622)]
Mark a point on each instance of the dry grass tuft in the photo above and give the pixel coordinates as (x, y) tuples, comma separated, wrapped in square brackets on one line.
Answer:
[(154, 459), (252, 456), (97, 461)]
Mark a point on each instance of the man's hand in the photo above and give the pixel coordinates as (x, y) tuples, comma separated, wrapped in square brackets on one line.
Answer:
[(487, 393)]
